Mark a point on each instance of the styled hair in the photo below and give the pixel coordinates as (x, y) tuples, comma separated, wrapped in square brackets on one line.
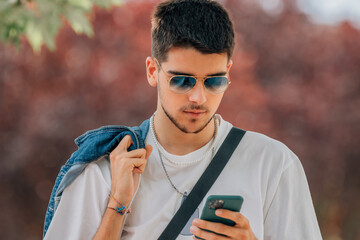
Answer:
[(202, 24)]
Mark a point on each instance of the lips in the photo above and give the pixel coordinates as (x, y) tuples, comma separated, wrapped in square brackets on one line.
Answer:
[(194, 114)]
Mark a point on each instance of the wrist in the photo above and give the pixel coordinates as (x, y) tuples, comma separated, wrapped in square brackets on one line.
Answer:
[(114, 204), (115, 198), (121, 207)]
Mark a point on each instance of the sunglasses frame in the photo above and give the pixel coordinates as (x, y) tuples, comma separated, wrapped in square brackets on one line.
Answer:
[(196, 78)]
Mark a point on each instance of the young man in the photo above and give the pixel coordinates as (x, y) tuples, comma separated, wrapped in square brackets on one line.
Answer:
[(153, 167)]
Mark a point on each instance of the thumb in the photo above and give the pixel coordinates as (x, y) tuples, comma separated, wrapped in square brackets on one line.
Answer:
[(148, 149)]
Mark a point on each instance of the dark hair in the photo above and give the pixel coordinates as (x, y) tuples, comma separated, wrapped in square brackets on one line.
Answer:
[(202, 24)]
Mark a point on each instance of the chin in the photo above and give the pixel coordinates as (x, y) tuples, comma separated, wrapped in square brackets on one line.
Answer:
[(194, 125), (188, 124)]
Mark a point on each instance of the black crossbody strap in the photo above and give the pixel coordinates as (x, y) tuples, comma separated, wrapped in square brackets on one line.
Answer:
[(203, 185)]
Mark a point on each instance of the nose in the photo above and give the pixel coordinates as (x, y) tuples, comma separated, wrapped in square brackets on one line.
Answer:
[(197, 94)]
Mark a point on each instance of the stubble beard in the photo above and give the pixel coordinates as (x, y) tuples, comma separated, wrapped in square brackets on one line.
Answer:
[(183, 128)]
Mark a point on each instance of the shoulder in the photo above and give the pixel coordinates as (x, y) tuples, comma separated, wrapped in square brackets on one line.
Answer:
[(260, 150), (269, 150), (100, 133), (114, 133), (262, 141), (97, 172)]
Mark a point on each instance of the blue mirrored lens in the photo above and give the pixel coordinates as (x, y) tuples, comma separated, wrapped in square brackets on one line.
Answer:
[(216, 84), (182, 84)]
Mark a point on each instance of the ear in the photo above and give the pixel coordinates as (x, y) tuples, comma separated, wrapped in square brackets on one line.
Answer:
[(229, 65), (151, 71)]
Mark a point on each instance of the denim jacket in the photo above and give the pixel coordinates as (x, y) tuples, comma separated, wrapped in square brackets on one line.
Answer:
[(91, 145)]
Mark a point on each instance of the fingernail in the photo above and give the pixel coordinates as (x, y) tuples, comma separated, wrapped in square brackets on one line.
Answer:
[(192, 229), (218, 212)]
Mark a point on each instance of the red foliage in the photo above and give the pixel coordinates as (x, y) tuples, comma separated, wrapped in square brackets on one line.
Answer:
[(291, 79)]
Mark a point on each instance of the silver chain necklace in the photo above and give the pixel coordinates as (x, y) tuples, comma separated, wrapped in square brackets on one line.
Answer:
[(160, 153)]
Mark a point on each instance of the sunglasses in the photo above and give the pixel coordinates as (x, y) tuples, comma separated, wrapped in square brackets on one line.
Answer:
[(183, 83)]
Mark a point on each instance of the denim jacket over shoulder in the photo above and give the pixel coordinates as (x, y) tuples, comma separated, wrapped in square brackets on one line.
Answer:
[(91, 145)]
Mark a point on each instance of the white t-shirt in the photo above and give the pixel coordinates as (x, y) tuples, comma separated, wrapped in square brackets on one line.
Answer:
[(263, 171)]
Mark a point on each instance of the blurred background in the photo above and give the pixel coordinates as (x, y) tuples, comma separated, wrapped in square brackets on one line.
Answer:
[(295, 77)]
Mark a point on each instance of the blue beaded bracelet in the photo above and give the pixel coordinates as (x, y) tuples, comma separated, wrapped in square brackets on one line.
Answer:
[(119, 210), (122, 210)]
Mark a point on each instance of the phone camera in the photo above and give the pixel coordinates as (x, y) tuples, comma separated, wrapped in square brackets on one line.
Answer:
[(216, 203)]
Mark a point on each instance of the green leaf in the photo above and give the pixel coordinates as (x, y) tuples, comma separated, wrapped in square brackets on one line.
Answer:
[(46, 8), (107, 3), (50, 27), (42, 23), (12, 23), (84, 4), (34, 35), (79, 22)]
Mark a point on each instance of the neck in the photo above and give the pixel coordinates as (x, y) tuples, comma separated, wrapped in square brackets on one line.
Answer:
[(177, 142)]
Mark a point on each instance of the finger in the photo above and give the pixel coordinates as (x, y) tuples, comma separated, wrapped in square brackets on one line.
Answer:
[(239, 219), (123, 157), (148, 149), (137, 170), (213, 226), (137, 153), (140, 169), (202, 234), (135, 164), (138, 165), (125, 143)]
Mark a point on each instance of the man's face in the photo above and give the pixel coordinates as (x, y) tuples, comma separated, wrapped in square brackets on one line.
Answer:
[(191, 111)]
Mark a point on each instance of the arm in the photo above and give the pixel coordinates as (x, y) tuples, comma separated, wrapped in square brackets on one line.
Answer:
[(291, 213), (82, 208), (126, 168), (110, 227)]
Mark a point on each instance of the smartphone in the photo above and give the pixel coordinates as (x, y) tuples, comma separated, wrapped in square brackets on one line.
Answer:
[(213, 202)]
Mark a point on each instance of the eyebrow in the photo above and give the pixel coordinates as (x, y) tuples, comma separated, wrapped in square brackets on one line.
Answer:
[(187, 74)]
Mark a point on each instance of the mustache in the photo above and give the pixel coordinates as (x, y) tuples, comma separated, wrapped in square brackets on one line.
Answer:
[(194, 107)]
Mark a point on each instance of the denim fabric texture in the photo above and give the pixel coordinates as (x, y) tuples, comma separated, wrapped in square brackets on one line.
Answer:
[(92, 145)]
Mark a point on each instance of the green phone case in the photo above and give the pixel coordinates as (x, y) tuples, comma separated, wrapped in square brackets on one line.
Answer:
[(213, 202)]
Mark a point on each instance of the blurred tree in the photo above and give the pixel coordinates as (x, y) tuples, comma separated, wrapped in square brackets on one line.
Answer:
[(40, 20), (292, 79)]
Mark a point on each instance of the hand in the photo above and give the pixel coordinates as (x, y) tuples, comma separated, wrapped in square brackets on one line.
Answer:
[(241, 229), (126, 168)]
